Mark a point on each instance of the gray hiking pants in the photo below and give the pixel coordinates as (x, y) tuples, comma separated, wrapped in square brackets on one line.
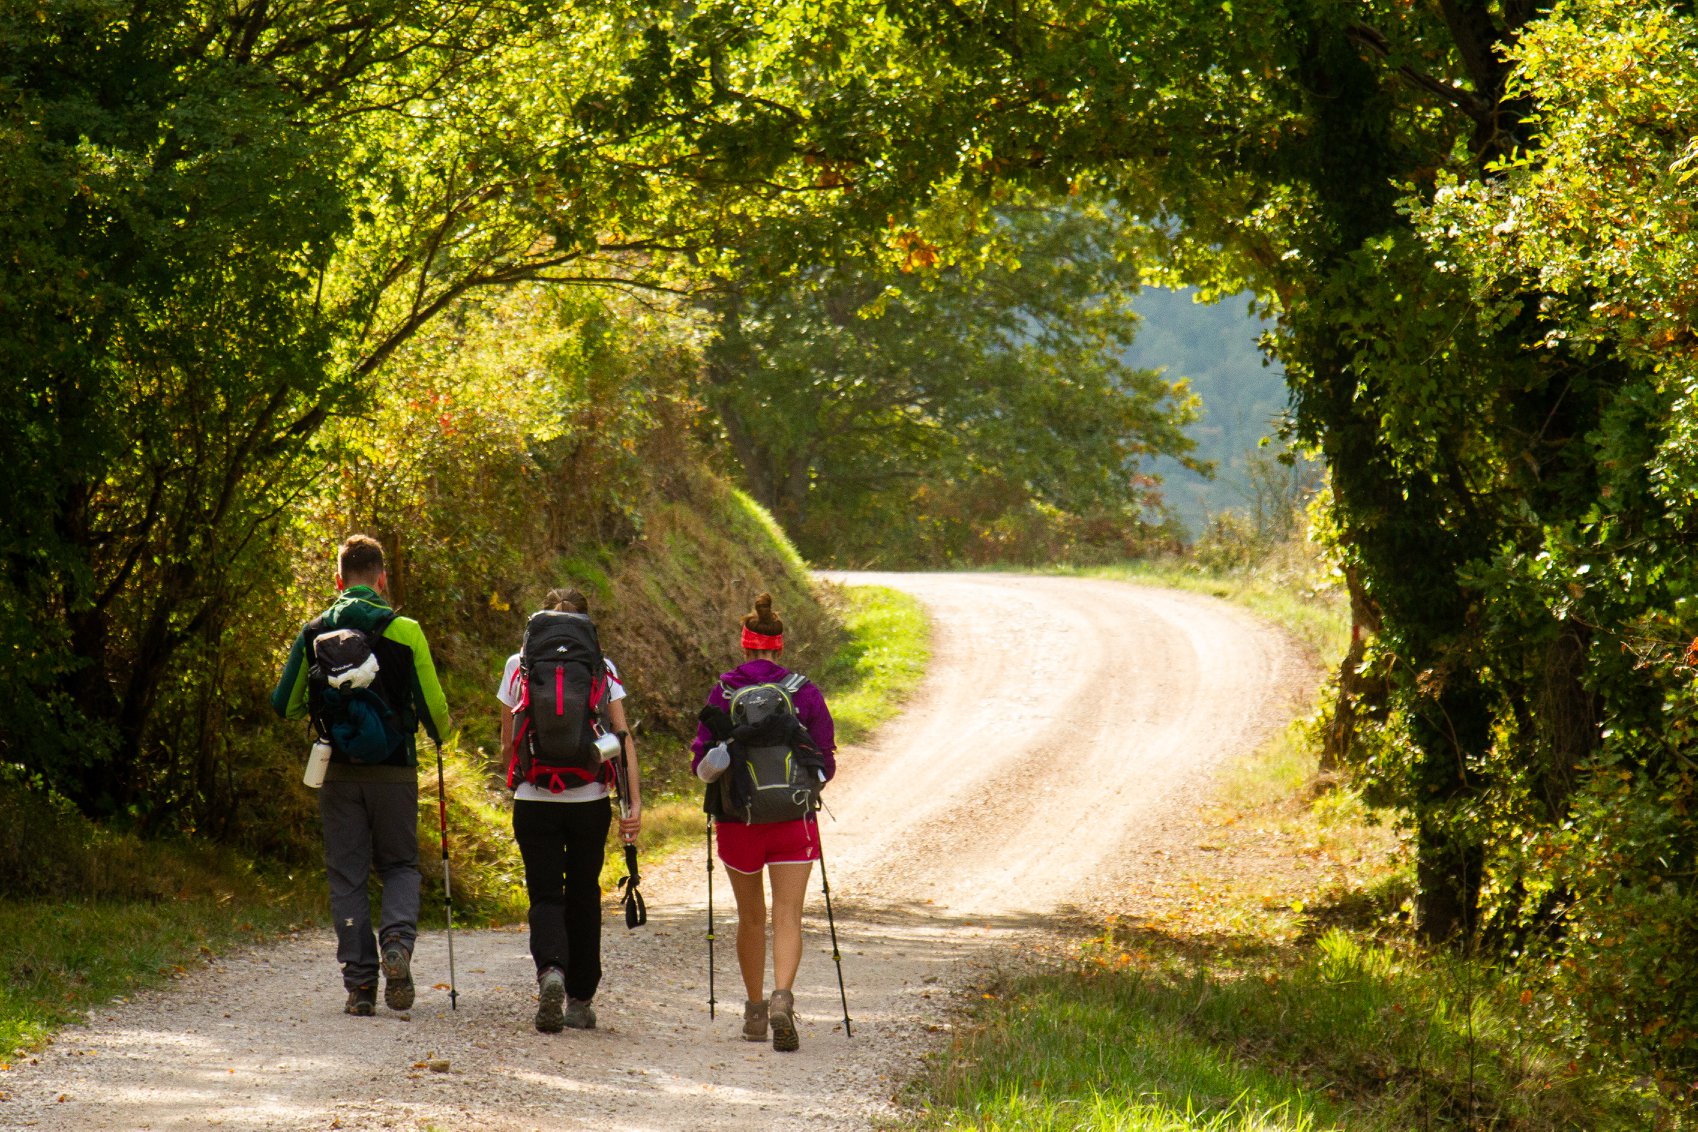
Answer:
[(370, 827)]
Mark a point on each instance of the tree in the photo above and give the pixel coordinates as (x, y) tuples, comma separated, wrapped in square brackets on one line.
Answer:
[(226, 220), (1582, 243), (1272, 147), (852, 393)]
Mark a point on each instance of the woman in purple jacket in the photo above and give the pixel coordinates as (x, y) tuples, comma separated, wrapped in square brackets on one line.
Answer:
[(786, 850)]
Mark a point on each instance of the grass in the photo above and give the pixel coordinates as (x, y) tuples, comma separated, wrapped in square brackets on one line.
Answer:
[(1072, 1051), (1291, 999), (1288, 588), (63, 957), (881, 661), (765, 530), (1242, 1006), (1149, 1029)]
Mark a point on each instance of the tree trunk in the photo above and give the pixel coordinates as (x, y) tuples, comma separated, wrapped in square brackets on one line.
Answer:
[(1447, 879), (1450, 727)]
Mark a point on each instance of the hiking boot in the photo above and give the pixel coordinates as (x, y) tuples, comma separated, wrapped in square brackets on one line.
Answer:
[(397, 977), (781, 1012), (754, 1021), (579, 1016), (362, 1001), (551, 994)]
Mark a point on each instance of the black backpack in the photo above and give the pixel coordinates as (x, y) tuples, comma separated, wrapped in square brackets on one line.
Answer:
[(351, 696), (563, 682), (775, 768)]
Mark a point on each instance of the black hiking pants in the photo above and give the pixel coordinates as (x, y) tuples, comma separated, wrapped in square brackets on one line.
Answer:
[(563, 844)]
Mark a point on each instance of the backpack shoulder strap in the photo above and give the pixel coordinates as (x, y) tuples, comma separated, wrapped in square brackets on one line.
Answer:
[(793, 683), (317, 626)]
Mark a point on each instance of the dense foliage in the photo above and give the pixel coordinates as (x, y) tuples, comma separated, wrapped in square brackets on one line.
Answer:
[(226, 221), (1585, 240), (223, 225)]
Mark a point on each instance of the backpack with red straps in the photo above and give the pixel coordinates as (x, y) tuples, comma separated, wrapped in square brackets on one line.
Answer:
[(562, 687)]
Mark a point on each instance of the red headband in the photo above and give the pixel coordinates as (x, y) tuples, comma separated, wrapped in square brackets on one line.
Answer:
[(761, 642)]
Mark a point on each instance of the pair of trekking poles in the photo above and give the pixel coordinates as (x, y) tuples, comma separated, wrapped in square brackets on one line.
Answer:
[(636, 912), (831, 921)]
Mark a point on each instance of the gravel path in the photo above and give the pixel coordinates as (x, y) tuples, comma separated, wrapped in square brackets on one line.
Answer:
[(1062, 738)]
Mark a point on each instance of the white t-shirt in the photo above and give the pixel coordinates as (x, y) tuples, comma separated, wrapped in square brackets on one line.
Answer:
[(508, 693)]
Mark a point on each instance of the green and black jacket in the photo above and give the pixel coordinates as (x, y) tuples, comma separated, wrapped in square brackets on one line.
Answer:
[(405, 669)]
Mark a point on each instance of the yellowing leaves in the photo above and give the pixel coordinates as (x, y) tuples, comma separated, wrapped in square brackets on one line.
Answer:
[(918, 252)]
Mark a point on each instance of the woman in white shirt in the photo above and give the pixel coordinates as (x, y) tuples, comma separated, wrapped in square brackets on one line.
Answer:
[(562, 837)]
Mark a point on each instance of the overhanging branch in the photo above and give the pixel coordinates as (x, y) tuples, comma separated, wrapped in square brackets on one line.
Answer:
[(1471, 104)]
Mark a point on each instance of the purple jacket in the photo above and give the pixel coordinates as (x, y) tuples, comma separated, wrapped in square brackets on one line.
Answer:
[(810, 709)]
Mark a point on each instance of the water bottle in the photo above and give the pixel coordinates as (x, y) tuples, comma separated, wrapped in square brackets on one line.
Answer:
[(715, 761), (318, 760)]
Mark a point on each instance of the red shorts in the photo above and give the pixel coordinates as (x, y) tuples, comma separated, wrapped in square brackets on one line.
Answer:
[(747, 848)]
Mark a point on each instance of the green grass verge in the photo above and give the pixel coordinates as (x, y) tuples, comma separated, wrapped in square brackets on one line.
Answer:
[(881, 661), (61, 958), (760, 528), (1149, 1031)]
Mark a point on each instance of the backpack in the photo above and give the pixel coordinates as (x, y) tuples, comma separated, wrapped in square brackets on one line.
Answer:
[(347, 697), (774, 772), (563, 682)]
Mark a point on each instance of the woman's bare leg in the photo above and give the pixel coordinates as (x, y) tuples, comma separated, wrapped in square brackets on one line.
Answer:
[(789, 890), (749, 889)]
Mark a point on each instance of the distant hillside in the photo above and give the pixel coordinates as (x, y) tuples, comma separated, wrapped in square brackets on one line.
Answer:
[(1214, 346)]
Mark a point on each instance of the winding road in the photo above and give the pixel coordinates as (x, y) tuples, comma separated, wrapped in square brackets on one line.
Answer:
[(1066, 731)]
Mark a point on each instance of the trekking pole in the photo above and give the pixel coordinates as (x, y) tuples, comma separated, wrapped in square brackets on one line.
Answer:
[(836, 955), (710, 915), (636, 912), (447, 887), (718, 724)]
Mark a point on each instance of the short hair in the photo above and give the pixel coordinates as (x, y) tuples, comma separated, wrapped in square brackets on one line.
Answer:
[(568, 600), (361, 557)]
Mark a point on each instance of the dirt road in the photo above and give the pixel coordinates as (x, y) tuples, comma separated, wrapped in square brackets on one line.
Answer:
[(1065, 732)]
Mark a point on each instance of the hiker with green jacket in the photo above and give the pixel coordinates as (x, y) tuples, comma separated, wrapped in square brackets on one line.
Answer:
[(364, 675)]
